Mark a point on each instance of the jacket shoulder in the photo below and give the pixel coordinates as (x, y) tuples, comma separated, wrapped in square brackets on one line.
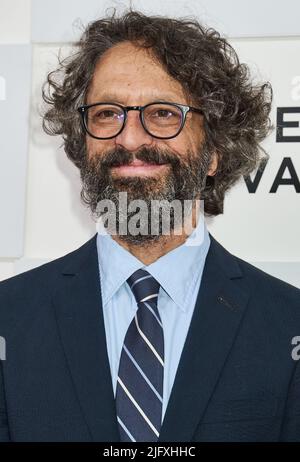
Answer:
[(42, 276), (261, 278), (261, 285)]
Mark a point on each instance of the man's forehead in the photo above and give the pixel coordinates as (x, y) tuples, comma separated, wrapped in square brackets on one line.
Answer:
[(117, 77)]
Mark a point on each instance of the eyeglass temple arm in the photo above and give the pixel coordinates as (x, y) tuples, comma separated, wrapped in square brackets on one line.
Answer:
[(194, 109)]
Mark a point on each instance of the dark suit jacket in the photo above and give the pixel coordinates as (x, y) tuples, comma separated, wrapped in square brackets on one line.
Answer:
[(236, 380)]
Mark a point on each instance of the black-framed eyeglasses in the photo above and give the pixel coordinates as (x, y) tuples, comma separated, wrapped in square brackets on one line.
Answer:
[(160, 119)]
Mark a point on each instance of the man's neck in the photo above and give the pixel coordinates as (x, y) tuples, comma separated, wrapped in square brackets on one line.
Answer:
[(149, 252)]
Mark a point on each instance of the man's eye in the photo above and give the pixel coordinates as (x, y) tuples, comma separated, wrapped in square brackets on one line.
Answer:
[(106, 114), (163, 113)]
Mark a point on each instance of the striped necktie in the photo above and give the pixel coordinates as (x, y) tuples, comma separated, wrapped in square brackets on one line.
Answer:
[(139, 393)]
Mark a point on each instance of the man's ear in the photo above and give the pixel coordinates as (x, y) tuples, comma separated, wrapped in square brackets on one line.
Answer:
[(213, 165)]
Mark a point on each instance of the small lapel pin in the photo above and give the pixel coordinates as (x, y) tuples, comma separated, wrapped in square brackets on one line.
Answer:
[(225, 302)]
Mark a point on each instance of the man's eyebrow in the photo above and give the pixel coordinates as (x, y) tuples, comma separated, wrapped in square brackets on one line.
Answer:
[(114, 98)]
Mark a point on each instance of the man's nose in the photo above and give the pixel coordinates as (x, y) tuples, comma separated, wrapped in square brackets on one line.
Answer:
[(133, 135)]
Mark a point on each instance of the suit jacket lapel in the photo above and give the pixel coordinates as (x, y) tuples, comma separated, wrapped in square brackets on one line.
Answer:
[(218, 312), (79, 315)]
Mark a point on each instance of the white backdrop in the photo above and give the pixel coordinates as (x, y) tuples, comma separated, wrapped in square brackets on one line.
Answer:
[(41, 214)]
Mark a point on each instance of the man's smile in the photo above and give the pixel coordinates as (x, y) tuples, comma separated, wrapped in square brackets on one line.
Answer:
[(138, 167)]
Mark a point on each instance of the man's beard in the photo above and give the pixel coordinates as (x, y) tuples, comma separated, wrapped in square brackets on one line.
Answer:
[(183, 180)]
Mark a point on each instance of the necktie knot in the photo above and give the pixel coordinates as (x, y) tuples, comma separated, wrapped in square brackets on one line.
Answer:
[(144, 286)]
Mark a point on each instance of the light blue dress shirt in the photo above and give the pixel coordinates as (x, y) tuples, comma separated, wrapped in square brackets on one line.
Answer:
[(179, 273)]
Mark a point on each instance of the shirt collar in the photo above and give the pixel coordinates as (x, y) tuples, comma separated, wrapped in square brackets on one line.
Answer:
[(177, 271)]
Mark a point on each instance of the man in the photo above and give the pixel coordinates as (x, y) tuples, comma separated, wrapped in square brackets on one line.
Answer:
[(144, 336)]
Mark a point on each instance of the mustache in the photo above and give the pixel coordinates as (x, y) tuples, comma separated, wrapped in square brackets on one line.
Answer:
[(120, 156)]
